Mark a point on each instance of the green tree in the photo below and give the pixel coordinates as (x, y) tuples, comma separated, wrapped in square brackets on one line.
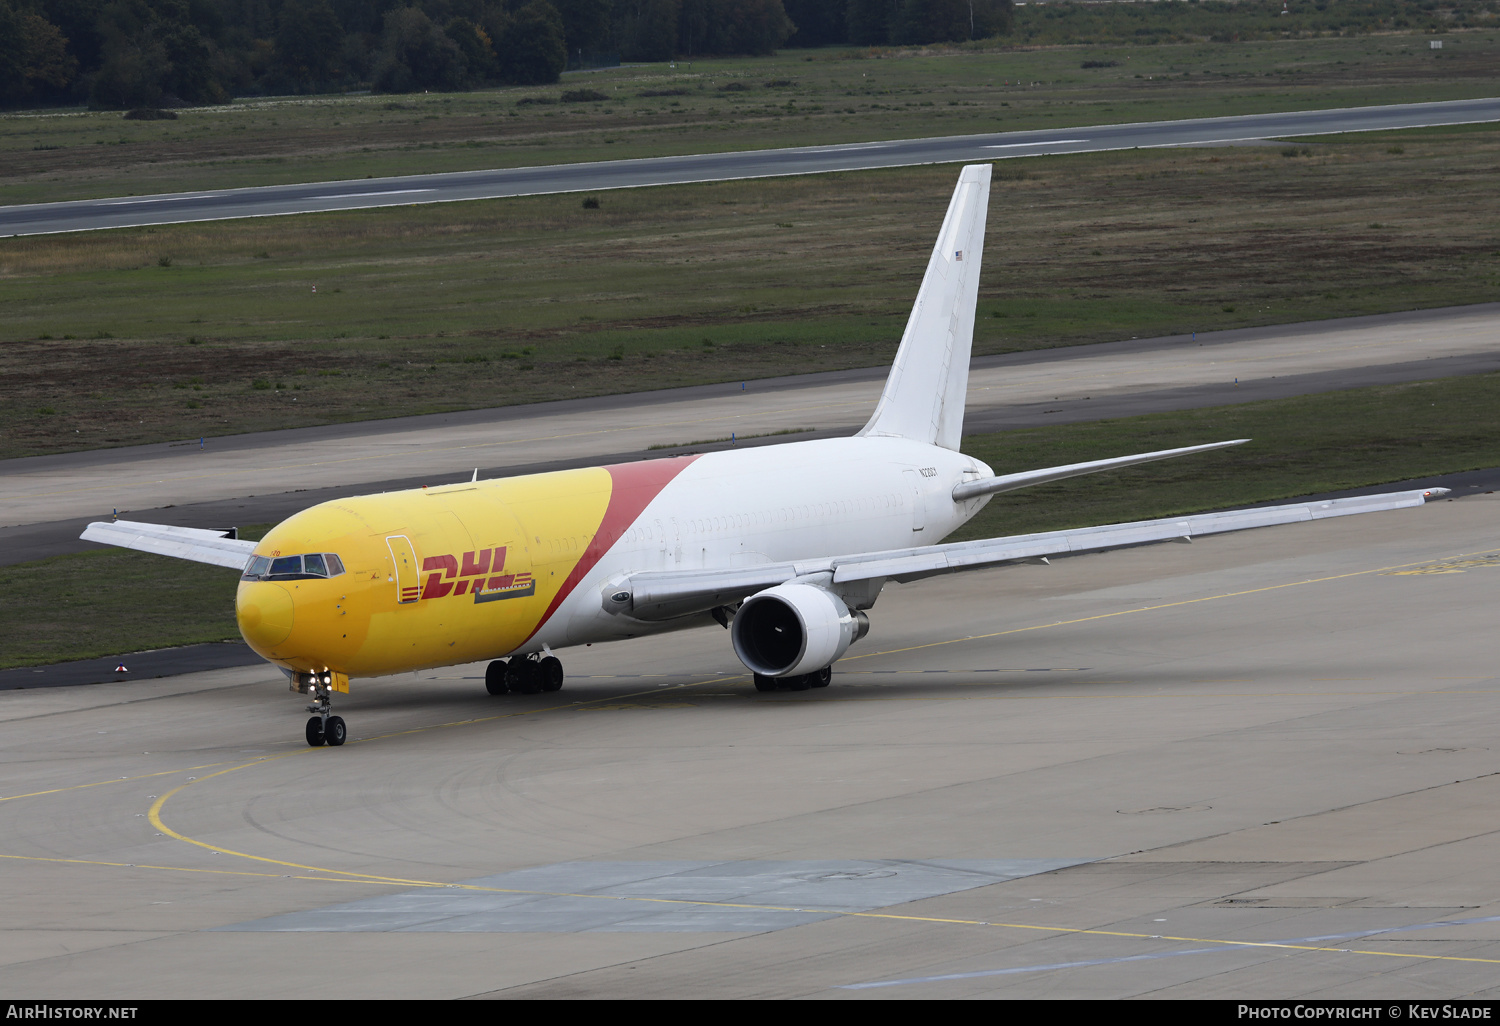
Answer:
[(871, 21), (33, 54), (309, 38), (475, 44), (938, 21), (12, 55), (585, 23), (131, 75), (819, 22), (416, 54), (750, 26), (648, 29), (533, 50), (189, 74)]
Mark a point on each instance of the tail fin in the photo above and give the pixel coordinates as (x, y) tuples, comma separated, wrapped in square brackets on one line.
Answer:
[(924, 396)]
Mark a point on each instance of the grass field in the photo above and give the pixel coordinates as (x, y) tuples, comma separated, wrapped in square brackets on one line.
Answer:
[(140, 335), (795, 98), (114, 601)]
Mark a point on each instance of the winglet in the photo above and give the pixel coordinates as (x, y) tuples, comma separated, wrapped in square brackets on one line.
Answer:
[(924, 395)]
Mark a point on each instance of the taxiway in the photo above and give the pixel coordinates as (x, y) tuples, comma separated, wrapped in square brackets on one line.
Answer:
[(1258, 766)]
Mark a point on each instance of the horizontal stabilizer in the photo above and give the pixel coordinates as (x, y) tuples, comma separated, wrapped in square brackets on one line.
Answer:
[(1025, 479), (192, 543)]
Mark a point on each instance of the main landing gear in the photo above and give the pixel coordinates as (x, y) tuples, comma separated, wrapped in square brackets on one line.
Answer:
[(525, 675), (799, 682), (322, 729)]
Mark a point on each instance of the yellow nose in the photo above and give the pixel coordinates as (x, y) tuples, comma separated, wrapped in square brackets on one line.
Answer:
[(264, 611)]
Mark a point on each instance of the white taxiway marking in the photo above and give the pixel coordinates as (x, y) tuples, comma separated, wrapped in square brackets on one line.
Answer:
[(383, 192), (156, 199), (1039, 142)]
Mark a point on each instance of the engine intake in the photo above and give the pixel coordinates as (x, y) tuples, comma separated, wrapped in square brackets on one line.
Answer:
[(794, 628)]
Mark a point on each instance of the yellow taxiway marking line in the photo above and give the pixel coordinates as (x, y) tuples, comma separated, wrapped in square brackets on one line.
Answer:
[(178, 869), (117, 780), (1093, 697)]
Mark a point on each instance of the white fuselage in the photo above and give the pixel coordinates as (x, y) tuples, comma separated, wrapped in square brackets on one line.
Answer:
[(776, 504)]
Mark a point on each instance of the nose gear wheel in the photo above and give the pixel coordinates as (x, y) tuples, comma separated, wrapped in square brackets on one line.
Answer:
[(322, 729)]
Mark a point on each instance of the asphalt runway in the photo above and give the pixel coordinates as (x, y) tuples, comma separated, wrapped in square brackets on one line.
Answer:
[(171, 208), (1259, 766), (265, 477)]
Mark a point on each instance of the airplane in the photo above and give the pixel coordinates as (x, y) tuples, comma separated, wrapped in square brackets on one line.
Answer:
[(787, 546)]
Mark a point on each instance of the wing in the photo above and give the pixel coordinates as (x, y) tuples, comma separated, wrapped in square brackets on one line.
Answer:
[(666, 594), (217, 547)]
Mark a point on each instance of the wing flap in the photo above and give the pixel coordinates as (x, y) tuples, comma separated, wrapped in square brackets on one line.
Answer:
[(192, 543), (662, 595)]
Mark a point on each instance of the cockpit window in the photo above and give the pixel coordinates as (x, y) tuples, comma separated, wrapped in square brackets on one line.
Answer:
[(293, 568)]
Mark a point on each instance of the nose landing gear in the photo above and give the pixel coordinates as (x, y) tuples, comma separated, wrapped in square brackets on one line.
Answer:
[(322, 729)]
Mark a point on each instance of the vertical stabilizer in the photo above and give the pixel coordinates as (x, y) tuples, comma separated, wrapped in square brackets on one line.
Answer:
[(924, 396)]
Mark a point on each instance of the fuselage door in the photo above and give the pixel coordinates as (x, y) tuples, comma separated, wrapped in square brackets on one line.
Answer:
[(404, 559), (918, 497)]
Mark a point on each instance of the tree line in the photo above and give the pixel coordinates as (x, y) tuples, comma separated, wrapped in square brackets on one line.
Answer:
[(143, 53)]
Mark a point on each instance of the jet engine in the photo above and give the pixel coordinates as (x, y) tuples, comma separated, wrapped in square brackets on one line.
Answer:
[(793, 629)]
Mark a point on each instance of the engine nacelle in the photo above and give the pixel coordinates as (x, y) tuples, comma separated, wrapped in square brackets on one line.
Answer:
[(794, 628)]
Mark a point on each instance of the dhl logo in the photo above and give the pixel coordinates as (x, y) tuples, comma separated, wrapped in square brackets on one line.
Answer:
[(446, 577)]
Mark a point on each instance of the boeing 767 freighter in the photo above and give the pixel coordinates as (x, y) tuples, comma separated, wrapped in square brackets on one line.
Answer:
[(786, 545)]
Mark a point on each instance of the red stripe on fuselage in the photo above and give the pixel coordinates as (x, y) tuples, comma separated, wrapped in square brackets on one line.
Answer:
[(633, 487)]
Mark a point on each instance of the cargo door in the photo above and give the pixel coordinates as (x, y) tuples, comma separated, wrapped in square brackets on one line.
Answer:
[(404, 560)]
